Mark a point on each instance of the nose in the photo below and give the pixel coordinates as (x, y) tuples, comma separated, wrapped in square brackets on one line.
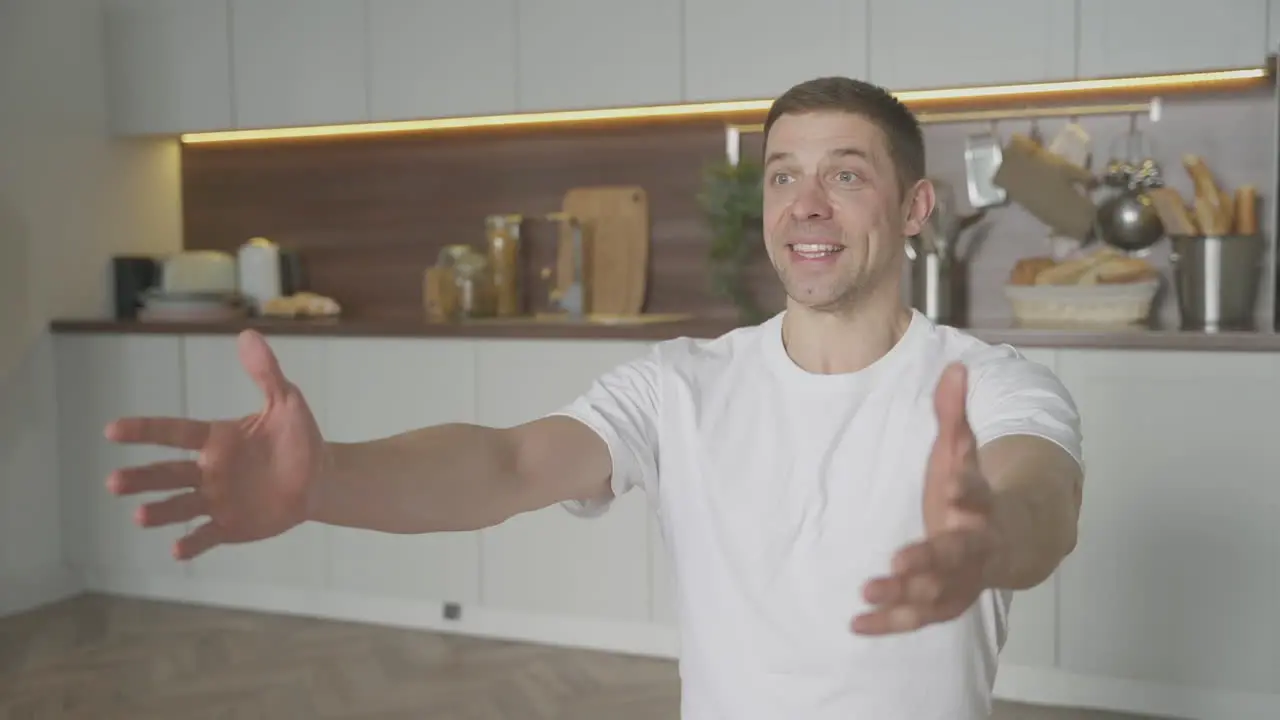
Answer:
[(810, 201)]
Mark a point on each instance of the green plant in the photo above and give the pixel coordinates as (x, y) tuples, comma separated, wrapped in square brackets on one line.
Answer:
[(731, 200)]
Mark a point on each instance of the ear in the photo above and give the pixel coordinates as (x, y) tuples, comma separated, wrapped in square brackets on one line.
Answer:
[(917, 206)]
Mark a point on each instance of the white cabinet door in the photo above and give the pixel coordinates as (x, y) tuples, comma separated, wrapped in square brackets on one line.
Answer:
[(1033, 631), (168, 66), (1176, 577), (602, 53), (441, 58), (299, 62), (377, 388), (1273, 25), (550, 561), (218, 387), (726, 46), (930, 44), (101, 378), (1138, 37)]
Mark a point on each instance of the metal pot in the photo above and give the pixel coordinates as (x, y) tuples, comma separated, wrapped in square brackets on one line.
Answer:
[(1126, 218)]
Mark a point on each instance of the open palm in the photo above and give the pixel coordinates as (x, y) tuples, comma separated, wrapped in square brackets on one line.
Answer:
[(252, 476), (937, 578)]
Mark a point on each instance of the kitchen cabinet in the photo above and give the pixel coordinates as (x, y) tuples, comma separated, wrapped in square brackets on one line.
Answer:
[(549, 561), (929, 44), (101, 378), (1163, 36), (168, 65), (1176, 576), (1273, 26), (299, 62), (602, 53), (726, 41), (217, 387), (376, 388), (417, 48)]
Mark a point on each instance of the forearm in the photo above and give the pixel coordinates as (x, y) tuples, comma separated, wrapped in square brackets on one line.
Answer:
[(1036, 506), (446, 477)]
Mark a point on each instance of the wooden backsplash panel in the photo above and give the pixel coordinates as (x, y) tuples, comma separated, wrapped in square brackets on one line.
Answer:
[(370, 214)]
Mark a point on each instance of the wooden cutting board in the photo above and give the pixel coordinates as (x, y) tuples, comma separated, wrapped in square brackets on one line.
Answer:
[(615, 223)]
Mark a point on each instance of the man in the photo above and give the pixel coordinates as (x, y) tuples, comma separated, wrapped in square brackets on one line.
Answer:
[(849, 492)]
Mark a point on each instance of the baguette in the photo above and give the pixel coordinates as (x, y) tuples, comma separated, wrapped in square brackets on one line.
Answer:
[(1067, 272), (1246, 214)]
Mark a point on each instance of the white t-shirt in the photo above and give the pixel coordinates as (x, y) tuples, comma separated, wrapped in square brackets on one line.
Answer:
[(781, 492)]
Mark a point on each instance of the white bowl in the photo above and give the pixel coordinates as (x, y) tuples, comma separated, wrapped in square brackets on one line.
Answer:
[(1071, 305)]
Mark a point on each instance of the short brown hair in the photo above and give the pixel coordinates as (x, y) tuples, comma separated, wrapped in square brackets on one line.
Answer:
[(842, 94)]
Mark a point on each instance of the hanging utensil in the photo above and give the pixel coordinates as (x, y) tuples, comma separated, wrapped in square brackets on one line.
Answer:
[(983, 155)]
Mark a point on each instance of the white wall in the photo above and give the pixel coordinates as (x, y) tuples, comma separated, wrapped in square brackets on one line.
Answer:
[(70, 197)]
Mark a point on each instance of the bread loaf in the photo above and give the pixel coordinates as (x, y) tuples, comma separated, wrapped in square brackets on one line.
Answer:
[(1104, 267)]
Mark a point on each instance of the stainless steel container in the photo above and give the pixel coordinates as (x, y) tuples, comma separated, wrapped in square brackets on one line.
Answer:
[(937, 281), (1216, 278)]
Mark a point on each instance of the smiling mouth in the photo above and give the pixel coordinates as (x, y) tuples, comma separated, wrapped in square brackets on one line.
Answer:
[(814, 251)]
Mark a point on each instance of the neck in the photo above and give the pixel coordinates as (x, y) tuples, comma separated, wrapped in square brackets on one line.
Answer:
[(845, 340)]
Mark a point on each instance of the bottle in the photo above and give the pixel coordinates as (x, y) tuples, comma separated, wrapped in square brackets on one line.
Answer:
[(503, 234)]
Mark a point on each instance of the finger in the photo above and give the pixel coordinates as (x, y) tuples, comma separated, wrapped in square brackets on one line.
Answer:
[(202, 539), (261, 364), (172, 432), (949, 401), (915, 558), (175, 509), (884, 590), (923, 589), (897, 619), (167, 475)]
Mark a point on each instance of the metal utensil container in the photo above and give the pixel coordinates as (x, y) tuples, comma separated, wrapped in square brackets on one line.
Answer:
[(938, 283), (1216, 278)]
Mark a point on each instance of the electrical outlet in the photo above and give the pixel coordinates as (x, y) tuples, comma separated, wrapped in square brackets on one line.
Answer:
[(452, 611)]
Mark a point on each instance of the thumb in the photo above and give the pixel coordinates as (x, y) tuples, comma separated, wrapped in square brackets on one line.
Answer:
[(949, 404), (261, 364)]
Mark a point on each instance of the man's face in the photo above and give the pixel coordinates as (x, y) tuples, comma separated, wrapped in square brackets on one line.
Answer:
[(834, 218)]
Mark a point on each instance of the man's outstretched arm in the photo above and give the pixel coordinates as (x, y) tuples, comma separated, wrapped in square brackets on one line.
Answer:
[(459, 476), (1035, 508)]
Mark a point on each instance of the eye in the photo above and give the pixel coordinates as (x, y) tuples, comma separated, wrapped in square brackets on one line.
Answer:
[(780, 178), (846, 176)]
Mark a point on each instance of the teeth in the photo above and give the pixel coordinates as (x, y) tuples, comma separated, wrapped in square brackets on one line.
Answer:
[(810, 248)]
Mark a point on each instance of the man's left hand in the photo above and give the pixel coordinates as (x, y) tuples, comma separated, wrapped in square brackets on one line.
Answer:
[(938, 578)]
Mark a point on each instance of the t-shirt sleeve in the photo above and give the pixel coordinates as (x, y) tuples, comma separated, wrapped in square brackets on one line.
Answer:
[(1010, 394), (622, 407)]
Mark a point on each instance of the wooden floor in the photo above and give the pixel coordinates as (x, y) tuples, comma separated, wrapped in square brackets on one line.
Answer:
[(102, 658)]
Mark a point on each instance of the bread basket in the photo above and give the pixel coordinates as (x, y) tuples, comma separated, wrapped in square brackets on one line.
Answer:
[(1072, 305), (1103, 288)]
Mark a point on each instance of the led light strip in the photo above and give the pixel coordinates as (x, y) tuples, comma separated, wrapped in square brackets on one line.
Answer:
[(1038, 91)]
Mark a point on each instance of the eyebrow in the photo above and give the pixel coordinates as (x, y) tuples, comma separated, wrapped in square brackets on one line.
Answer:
[(837, 152)]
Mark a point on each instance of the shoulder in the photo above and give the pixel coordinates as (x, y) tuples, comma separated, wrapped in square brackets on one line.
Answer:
[(692, 356), (991, 362), (1010, 393)]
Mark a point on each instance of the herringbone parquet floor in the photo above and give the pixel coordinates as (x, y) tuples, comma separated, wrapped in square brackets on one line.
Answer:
[(103, 658)]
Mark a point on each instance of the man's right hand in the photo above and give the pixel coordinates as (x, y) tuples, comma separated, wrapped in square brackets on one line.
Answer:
[(253, 477)]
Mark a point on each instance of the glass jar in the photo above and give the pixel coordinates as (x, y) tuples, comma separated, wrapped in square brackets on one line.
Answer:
[(502, 233), (472, 286)]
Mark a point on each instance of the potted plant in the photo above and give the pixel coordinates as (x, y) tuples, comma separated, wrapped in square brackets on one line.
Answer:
[(731, 199)]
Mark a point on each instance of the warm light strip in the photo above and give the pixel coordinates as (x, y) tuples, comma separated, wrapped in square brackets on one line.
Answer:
[(990, 92)]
